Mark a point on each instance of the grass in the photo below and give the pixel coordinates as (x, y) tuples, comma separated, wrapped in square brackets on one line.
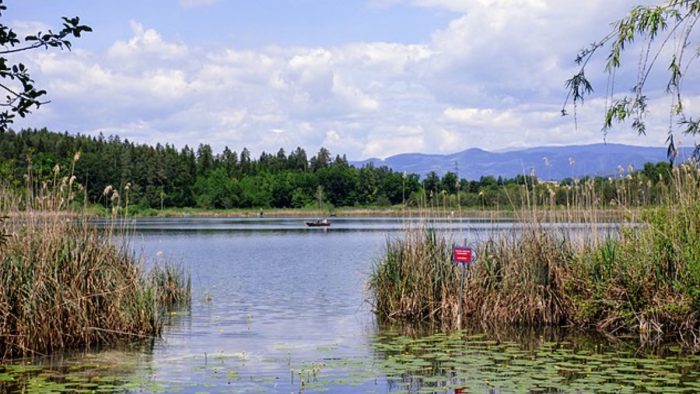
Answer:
[(64, 284), (642, 280)]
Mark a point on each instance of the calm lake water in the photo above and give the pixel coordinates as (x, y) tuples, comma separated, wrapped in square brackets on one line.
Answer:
[(278, 307)]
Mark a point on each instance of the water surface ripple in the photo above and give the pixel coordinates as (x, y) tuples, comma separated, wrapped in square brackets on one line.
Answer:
[(279, 307)]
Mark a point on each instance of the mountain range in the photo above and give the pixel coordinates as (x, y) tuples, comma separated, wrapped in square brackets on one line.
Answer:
[(549, 162)]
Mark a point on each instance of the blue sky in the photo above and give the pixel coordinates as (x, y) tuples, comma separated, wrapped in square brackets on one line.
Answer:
[(366, 78)]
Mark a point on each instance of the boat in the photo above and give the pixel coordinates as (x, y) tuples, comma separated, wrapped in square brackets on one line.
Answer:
[(318, 223)]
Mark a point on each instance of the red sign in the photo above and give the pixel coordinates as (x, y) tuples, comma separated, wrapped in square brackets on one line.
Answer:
[(462, 255)]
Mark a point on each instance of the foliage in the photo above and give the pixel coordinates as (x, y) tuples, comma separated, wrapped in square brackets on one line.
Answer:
[(415, 280), (65, 284), (21, 94), (163, 177), (665, 32), (640, 278)]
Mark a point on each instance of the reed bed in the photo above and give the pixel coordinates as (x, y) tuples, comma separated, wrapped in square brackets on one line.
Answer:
[(641, 280), (64, 284)]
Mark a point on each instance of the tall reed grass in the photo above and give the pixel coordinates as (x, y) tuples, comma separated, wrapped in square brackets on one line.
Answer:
[(640, 280), (65, 284)]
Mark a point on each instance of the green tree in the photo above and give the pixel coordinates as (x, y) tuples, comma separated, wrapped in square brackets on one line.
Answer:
[(297, 160), (450, 182), (431, 183), (665, 32), (256, 192), (217, 190), (229, 160), (321, 160), (18, 86), (205, 159), (340, 184), (245, 162)]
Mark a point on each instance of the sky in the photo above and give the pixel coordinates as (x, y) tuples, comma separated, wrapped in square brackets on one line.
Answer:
[(364, 78)]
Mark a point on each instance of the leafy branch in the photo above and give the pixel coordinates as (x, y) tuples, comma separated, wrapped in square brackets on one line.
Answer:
[(20, 92), (656, 26)]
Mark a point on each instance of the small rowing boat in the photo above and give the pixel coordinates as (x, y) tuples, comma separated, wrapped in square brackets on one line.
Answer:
[(318, 223)]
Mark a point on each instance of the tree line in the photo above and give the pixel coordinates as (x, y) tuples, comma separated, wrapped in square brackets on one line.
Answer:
[(162, 176)]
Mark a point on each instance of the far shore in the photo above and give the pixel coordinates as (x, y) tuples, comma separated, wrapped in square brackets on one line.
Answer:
[(608, 214)]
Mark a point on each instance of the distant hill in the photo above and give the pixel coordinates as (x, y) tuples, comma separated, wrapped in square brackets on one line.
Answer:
[(595, 159)]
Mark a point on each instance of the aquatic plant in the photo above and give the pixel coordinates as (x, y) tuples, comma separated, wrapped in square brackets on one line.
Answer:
[(415, 280), (645, 280), (639, 280), (66, 284), (173, 285)]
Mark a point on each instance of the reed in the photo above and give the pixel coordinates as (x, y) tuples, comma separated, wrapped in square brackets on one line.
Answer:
[(415, 280), (641, 279), (64, 284), (645, 280)]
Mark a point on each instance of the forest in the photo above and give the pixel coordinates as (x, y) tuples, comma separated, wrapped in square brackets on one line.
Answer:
[(162, 176)]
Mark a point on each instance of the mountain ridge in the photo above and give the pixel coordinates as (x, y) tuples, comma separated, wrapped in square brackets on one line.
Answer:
[(601, 159)]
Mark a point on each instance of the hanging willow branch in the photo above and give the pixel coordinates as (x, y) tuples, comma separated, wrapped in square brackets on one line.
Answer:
[(658, 26)]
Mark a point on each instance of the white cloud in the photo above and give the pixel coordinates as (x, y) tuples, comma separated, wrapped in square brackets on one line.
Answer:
[(492, 78), (353, 96), (25, 28), (196, 3), (146, 42), (483, 117)]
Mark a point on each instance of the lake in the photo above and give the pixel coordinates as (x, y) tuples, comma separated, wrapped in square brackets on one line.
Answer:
[(279, 307)]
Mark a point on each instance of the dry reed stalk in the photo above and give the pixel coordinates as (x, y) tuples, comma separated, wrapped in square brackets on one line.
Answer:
[(64, 284), (642, 279)]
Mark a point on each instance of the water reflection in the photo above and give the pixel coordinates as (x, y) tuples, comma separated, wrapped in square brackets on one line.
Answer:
[(465, 362), (279, 307), (110, 370)]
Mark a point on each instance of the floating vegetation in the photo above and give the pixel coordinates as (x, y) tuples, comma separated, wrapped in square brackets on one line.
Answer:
[(641, 280), (443, 362), (438, 363)]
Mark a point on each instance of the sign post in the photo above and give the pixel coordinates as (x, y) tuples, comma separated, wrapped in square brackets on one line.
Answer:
[(463, 255)]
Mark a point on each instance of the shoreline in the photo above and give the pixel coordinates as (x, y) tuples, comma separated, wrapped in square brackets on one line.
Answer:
[(559, 215)]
